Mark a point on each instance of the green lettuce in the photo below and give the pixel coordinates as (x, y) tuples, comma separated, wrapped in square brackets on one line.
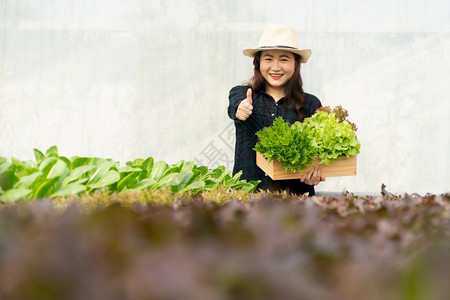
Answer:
[(52, 175), (280, 142), (327, 135), (331, 135)]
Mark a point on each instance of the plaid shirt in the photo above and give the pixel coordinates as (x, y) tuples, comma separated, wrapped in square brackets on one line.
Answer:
[(265, 110)]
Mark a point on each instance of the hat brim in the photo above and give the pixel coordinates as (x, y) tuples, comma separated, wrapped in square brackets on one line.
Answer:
[(304, 53)]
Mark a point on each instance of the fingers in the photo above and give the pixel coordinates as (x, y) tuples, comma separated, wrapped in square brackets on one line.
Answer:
[(245, 108), (313, 176), (249, 96)]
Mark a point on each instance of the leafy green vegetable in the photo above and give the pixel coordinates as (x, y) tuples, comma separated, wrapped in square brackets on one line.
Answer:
[(332, 136), (326, 135), (52, 175), (291, 147)]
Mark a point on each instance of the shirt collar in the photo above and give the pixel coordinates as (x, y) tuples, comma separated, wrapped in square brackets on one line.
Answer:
[(263, 91)]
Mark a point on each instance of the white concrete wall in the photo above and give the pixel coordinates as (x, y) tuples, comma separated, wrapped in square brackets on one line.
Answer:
[(137, 78)]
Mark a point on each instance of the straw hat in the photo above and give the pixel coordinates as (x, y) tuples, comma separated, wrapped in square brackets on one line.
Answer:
[(279, 38)]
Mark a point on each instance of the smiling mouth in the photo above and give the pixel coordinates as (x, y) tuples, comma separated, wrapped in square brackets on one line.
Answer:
[(276, 76)]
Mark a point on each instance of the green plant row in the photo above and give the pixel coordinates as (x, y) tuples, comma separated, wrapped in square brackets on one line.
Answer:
[(326, 135), (52, 175)]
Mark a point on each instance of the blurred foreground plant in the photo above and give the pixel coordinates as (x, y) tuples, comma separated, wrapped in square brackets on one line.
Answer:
[(157, 244)]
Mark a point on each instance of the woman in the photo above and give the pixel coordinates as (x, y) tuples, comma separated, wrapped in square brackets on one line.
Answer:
[(274, 90)]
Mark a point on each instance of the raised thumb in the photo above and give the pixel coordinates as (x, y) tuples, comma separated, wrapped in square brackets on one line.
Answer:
[(249, 96)]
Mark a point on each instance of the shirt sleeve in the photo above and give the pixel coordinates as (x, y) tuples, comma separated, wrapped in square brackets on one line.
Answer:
[(314, 104), (236, 95)]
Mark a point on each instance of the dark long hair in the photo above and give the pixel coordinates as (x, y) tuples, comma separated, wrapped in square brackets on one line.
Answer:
[(294, 87)]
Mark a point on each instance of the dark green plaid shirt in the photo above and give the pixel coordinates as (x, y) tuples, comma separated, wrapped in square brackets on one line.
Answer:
[(265, 110)]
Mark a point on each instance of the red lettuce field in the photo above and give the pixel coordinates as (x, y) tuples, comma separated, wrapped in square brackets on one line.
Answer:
[(225, 244)]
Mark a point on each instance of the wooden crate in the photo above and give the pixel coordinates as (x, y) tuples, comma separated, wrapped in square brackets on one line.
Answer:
[(341, 167)]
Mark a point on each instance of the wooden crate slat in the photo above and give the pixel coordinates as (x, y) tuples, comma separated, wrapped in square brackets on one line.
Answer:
[(341, 167)]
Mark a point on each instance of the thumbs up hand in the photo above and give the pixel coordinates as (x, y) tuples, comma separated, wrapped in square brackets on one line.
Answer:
[(245, 108)]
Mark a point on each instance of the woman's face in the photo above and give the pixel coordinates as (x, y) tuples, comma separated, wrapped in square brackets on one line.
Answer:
[(277, 67)]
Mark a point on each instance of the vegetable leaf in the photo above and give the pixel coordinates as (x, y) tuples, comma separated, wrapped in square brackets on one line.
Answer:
[(327, 134), (281, 142)]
